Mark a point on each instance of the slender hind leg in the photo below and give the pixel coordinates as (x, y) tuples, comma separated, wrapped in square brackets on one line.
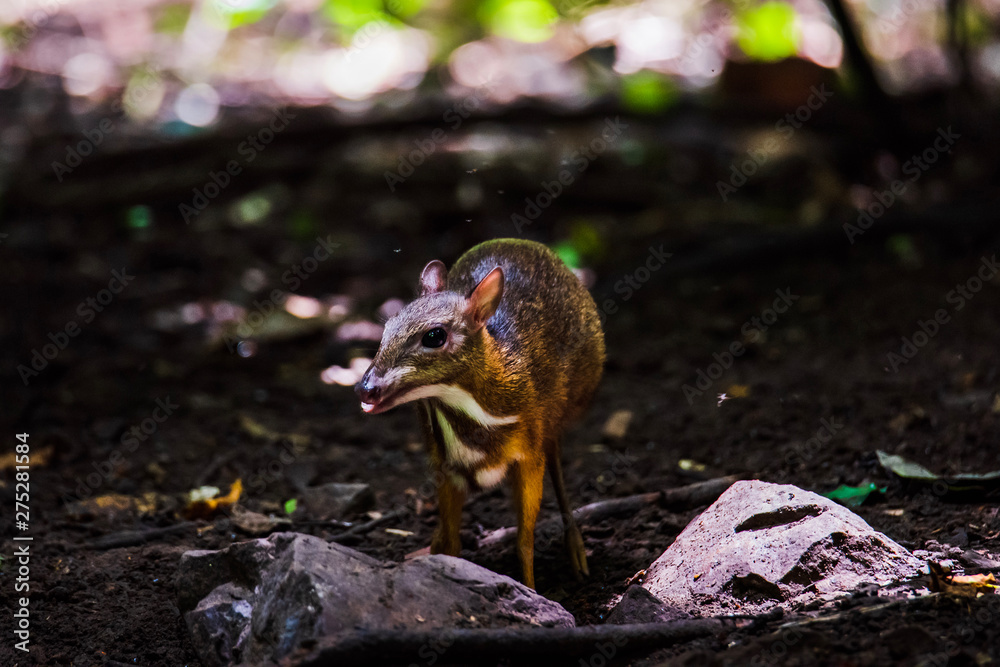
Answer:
[(574, 540), (527, 481)]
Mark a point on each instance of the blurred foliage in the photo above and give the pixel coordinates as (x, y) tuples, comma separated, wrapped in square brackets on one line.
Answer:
[(648, 92), (768, 32), (520, 20)]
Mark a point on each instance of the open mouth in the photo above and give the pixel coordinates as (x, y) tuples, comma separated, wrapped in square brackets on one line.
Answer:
[(381, 405)]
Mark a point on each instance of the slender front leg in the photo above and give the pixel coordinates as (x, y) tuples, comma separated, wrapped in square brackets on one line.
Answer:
[(451, 498), (574, 540), (527, 480)]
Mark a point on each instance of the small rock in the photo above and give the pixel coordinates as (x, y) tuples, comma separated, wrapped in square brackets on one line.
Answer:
[(259, 601), (334, 501), (640, 606), (763, 545)]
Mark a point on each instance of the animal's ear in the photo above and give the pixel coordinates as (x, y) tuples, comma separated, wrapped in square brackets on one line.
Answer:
[(433, 277), (485, 299)]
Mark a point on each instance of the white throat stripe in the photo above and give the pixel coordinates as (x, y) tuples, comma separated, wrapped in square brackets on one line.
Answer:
[(457, 399)]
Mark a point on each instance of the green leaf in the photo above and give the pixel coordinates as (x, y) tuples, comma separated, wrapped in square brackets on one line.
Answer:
[(648, 92), (768, 32), (172, 19), (231, 14), (967, 485), (404, 8), (139, 217), (568, 254), (853, 496), (520, 20), (352, 15), (291, 505)]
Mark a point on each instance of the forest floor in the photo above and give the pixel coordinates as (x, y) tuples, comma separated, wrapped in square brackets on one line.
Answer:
[(155, 356), (825, 359)]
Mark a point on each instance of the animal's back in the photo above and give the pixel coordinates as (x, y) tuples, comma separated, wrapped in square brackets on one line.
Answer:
[(546, 318)]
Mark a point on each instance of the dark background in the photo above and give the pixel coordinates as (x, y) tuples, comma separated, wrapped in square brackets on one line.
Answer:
[(845, 154)]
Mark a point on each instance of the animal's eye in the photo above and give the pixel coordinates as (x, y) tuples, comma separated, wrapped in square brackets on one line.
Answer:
[(434, 338)]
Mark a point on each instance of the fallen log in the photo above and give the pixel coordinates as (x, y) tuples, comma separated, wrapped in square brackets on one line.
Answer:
[(380, 647)]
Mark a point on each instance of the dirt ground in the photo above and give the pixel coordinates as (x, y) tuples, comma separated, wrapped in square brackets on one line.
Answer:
[(824, 361)]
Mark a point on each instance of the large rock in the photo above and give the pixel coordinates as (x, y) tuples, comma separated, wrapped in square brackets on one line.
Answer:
[(260, 600), (763, 545)]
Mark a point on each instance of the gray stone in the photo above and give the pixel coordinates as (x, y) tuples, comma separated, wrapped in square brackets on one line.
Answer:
[(763, 545), (334, 501), (260, 600), (640, 606)]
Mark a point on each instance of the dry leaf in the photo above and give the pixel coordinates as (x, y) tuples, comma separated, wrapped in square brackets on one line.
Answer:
[(969, 585), (113, 506), (255, 429), (200, 507), (397, 531), (616, 426), (738, 391), (36, 458), (255, 523)]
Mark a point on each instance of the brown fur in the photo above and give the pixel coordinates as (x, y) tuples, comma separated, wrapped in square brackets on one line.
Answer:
[(539, 356)]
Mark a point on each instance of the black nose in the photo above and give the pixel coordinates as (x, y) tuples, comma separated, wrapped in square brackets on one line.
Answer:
[(366, 391)]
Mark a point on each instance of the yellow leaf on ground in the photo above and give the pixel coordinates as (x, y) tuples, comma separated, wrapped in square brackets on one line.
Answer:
[(35, 458), (200, 507), (964, 585), (738, 391)]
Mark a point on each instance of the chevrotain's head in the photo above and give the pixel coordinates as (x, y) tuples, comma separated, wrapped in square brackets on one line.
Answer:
[(429, 342)]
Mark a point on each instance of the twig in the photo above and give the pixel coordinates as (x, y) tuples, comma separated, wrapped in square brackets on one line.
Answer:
[(362, 528), (685, 496), (131, 538), (450, 645)]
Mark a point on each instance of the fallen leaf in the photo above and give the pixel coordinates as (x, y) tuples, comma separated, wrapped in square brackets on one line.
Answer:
[(966, 484), (255, 429), (690, 465), (115, 506), (255, 523), (36, 458), (401, 533), (738, 391), (616, 426), (200, 507), (972, 585), (853, 496)]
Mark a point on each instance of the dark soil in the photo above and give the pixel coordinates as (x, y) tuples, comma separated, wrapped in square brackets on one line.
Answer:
[(824, 359)]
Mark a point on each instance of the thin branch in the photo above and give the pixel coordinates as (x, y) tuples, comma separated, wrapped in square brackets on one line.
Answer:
[(379, 647)]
